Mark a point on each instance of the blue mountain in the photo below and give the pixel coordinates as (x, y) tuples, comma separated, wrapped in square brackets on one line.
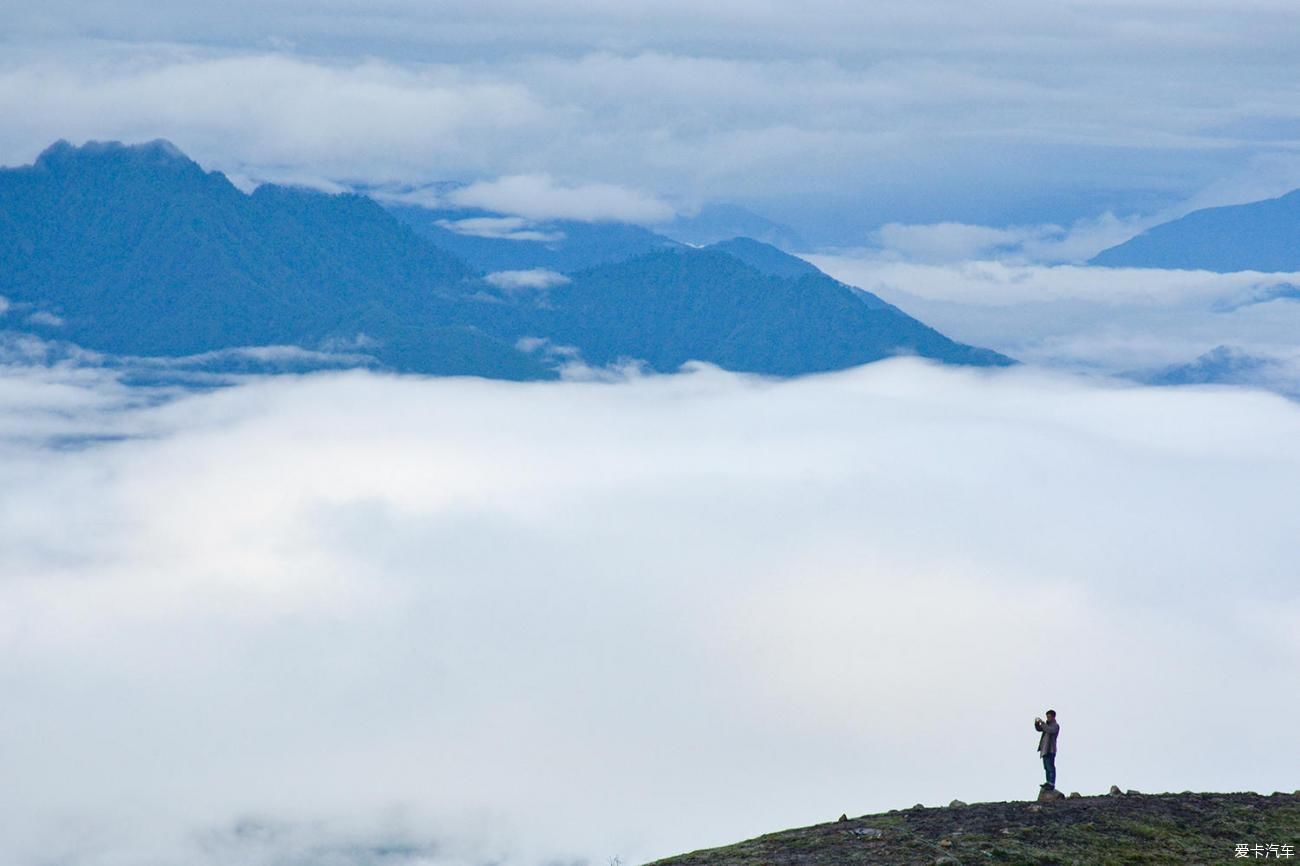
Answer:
[(1260, 236), (765, 258), (1229, 365), (720, 221), (137, 251), (683, 304), (556, 245)]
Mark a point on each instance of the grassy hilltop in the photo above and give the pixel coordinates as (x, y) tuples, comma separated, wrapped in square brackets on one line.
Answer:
[(1116, 829)]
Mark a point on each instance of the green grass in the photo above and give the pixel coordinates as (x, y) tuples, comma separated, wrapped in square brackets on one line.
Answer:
[(1134, 830)]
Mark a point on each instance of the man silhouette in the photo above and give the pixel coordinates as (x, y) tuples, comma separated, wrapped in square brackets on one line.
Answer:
[(1047, 746)]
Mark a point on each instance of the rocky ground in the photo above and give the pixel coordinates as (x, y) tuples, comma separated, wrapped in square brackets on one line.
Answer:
[(1129, 828)]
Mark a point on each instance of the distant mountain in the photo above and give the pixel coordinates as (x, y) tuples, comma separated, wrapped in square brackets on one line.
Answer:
[(494, 242), (684, 304), (1260, 236), (720, 221), (1265, 293), (135, 251), (138, 251), (1220, 364), (1227, 365), (765, 258)]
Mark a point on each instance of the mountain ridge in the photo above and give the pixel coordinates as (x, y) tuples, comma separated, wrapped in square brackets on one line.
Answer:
[(1257, 236), (748, 331), (135, 250), (1131, 828), (138, 251)]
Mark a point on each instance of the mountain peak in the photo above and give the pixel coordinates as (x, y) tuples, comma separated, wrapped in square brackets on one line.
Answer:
[(765, 258), (1257, 236), (1225, 365), (138, 252), (160, 153)]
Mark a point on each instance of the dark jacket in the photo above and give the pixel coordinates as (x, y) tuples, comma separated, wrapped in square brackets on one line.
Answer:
[(1047, 742)]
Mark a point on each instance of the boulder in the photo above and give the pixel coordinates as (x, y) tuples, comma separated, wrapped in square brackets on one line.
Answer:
[(1115, 791), (956, 804), (1049, 795)]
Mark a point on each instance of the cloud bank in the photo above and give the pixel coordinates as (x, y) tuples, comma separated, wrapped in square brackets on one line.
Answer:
[(511, 228), (534, 278), (836, 118), (539, 197), (311, 120), (459, 621), (1102, 320), (962, 242)]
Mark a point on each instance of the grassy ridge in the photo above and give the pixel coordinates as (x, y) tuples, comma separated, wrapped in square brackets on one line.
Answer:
[(1179, 829)]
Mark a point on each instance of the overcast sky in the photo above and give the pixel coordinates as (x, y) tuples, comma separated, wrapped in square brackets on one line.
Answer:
[(836, 117)]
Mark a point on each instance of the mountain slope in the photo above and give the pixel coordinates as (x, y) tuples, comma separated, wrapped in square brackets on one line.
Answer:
[(1228, 365), (136, 251), (720, 221), (674, 306), (765, 258), (1174, 829), (491, 242), (1260, 236), (139, 251)]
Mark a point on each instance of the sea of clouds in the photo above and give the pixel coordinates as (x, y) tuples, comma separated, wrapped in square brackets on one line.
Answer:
[(1128, 322), (353, 618)]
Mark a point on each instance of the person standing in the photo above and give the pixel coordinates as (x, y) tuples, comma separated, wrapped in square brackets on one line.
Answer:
[(1047, 746)]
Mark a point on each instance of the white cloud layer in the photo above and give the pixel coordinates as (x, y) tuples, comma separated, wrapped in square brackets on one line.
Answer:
[(1109, 320), (534, 278), (863, 113), (311, 122), (507, 623), (539, 197), (503, 228), (962, 242)]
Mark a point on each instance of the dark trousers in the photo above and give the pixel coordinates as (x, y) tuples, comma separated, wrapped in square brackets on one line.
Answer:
[(1049, 765)]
